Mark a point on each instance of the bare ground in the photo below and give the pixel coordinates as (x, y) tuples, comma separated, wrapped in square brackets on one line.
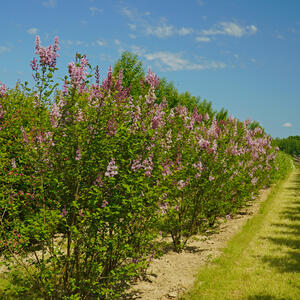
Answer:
[(173, 273)]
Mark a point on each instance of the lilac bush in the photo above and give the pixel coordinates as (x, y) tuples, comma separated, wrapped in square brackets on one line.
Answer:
[(90, 175)]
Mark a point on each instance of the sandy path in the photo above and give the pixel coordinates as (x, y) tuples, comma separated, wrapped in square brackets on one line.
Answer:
[(173, 273)]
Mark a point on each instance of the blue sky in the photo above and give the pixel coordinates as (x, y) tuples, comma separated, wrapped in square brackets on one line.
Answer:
[(243, 55)]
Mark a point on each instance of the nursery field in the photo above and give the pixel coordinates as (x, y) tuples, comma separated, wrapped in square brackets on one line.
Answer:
[(93, 174), (263, 260)]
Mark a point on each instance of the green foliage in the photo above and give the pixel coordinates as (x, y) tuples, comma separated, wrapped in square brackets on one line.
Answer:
[(290, 145), (87, 182), (133, 72)]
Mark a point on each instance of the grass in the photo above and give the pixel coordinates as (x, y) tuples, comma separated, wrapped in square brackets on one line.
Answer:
[(262, 262)]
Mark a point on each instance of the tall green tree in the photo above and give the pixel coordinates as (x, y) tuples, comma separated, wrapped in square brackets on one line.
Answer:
[(133, 71)]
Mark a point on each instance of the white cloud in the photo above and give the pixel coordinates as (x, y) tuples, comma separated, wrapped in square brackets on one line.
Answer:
[(203, 39), (129, 13), (253, 60), (138, 50), (174, 62), (32, 30), (132, 36), (132, 26), (185, 31), (4, 49), (231, 29), (160, 31), (101, 43), (236, 56), (49, 3), (117, 42), (95, 10), (287, 124), (163, 30)]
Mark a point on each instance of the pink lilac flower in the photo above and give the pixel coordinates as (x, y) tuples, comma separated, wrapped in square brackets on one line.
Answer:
[(107, 82), (98, 181), (111, 169), (254, 181), (152, 79), (136, 164), (211, 178), (112, 127), (64, 212), (13, 163), (163, 208), (34, 64), (39, 137), (2, 89), (167, 168), (47, 55), (2, 112), (104, 203), (197, 117), (148, 165), (79, 116), (97, 76), (78, 154), (25, 137), (78, 74), (203, 144), (181, 184), (199, 168)]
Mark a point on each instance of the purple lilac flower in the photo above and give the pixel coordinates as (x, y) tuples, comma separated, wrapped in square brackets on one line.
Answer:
[(104, 203), (98, 180), (111, 169), (97, 76), (64, 212), (136, 164), (152, 79), (78, 154), (181, 184), (112, 127), (2, 89), (39, 137), (25, 137), (254, 181), (107, 82), (13, 163), (148, 165), (78, 73), (47, 55), (211, 178), (2, 112)]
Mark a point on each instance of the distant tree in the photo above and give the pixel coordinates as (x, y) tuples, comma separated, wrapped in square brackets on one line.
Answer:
[(132, 69), (133, 74), (290, 145)]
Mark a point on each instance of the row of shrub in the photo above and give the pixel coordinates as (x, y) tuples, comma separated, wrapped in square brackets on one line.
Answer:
[(93, 173)]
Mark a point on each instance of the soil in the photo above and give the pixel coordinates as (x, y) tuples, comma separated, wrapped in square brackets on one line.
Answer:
[(173, 273)]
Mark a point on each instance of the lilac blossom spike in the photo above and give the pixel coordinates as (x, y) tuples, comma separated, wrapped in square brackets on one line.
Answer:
[(2, 89), (111, 170), (152, 79), (47, 55), (97, 76)]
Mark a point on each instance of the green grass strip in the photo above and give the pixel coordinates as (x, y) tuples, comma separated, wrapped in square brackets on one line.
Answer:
[(263, 260)]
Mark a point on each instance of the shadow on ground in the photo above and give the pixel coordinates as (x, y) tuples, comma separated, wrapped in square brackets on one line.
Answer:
[(286, 235)]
